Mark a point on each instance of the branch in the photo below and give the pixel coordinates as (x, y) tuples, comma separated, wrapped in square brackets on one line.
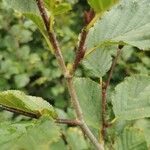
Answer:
[(67, 75), (88, 16), (28, 114), (43, 13), (81, 50), (113, 66), (52, 37), (69, 122), (36, 116), (104, 93)]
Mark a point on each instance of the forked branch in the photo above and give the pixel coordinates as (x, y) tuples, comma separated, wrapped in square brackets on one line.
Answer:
[(68, 122), (67, 75)]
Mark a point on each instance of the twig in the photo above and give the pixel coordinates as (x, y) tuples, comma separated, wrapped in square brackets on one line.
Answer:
[(68, 121), (104, 93), (51, 36), (79, 113), (81, 50), (28, 114), (113, 66), (36, 116), (88, 16), (43, 13), (103, 132), (68, 77)]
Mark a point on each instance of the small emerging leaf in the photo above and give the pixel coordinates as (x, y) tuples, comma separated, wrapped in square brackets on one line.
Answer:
[(30, 104)]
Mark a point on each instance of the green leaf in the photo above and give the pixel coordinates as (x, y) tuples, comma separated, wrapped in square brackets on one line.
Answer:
[(40, 24), (89, 95), (23, 5), (19, 101), (30, 10), (123, 25), (98, 62), (144, 125), (61, 8), (101, 5), (9, 132), (57, 8), (127, 52), (31, 135), (37, 20), (131, 139), (50, 4), (74, 137), (58, 145), (131, 99)]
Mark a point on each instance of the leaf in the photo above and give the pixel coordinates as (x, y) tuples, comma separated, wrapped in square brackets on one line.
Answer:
[(101, 5), (31, 135), (98, 62), (17, 100), (24, 6), (49, 4), (57, 8), (144, 125), (131, 99), (89, 96), (29, 9), (58, 145), (74, 137), (131, 139), (127, 52), (62, 8), (128, 23), (39, 22), (9, 132)]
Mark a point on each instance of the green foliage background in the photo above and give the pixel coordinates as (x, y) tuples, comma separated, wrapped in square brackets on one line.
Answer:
[(26, 63)]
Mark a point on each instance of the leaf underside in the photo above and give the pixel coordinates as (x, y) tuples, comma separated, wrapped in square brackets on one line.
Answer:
[(126, 23), (131, 139), (144, 125), (98, 62), (89, 96), (131, 99), (24, 6), (31, 135)]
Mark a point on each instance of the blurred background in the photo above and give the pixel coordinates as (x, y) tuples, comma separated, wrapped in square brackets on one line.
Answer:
[(26, 63)]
